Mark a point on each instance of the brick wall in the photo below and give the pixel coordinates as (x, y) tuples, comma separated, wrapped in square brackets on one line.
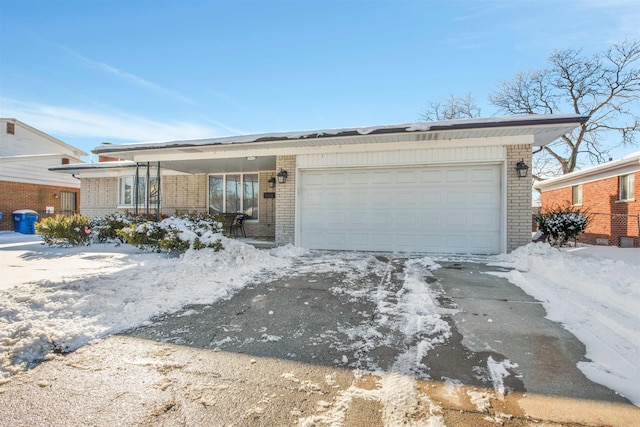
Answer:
[(17, 195), (518, 198), (612, 219), (285, 201), (98, 196), (184, 194)]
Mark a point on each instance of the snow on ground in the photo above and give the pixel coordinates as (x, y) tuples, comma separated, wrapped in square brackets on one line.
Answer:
[(594, 291), (62, 298), (58, 299)]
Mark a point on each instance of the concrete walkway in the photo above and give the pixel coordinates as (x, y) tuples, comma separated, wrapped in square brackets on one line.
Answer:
[(319, 348)]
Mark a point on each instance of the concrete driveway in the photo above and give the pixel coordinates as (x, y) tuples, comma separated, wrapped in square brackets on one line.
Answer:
[(346, 339)]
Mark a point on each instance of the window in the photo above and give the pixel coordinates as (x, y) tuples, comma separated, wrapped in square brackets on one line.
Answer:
[(11, 128), (576, 194), (234, 193), (126, 193), (626, 186)]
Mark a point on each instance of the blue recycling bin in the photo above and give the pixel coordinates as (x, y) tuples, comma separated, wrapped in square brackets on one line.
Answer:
[(25, 221)]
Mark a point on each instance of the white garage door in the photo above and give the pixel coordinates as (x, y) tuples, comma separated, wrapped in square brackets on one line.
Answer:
[(426, 209)]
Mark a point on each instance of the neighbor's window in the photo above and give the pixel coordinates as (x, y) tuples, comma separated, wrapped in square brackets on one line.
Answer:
[(236, 193), (576, 198), (126, 194), (11, 128), (626, 185)]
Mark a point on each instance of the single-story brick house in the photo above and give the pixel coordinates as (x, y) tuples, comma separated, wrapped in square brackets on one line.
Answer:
[(446, 186), (610, 192), (26, 154)]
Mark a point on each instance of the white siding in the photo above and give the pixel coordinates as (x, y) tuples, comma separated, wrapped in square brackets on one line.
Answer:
[(35, 171), (404, 157)]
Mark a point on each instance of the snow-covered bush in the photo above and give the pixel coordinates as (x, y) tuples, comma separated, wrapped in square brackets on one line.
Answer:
[(191, 231), (561, 224), (105, 228), (64, 230)]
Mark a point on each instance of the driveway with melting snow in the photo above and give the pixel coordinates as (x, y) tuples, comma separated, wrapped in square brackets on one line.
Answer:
[(340, 339)]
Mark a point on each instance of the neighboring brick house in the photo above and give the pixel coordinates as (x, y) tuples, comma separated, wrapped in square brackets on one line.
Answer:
[(610, 192), (26, 154), (447, 186)]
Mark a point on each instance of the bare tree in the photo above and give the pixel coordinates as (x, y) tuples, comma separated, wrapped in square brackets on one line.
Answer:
[(605, 87), (452, 108)]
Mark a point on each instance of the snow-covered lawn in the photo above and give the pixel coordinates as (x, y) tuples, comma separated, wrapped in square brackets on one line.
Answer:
[(65, 298)]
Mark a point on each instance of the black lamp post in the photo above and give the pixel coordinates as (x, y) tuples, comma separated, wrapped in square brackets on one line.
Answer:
[(522, 169)]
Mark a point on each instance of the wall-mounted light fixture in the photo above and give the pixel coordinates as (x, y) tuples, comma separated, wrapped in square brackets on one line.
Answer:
[(55, 195), (282, 176), (272, 182), (521, 169)]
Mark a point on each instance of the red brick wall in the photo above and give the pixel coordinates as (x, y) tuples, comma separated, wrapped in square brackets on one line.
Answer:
[(17, 195), (600, 198)]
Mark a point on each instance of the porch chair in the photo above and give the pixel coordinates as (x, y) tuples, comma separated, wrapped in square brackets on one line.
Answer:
[(238, 224)]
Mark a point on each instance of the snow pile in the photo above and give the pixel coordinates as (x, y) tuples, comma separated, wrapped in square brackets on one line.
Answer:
[(109, 292), (595, 293)]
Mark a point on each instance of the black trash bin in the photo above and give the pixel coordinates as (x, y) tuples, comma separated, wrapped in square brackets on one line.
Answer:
[(25, 221)]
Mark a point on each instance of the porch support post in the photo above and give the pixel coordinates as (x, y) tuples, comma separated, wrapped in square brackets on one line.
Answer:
[(148, 191), (136, 184), (158, 193)]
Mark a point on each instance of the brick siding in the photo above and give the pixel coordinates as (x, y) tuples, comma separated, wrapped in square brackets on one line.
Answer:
[(518, 198), (601, 199), (18, 195)]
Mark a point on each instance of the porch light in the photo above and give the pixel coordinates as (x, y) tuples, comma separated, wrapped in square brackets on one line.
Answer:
[(282, 176), (521, 169), (272, 182)]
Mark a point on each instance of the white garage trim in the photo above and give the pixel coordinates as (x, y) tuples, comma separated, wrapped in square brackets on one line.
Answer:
[(456, 208)]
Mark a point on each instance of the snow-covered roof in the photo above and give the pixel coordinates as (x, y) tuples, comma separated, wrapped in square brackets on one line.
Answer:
[(545, 129), (629, 163), (102, 165)]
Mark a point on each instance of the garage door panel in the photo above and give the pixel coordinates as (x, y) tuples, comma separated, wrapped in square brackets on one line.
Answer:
[(407, 176), (485, 198), (427, 209), (406, 200), (456, 176), (457, 198), (433, 176), (381, 178), (487, 222)]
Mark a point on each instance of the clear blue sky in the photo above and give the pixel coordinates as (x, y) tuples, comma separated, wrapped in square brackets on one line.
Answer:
[(135, 70)]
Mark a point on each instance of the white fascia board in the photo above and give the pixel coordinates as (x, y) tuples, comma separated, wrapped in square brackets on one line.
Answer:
[(603, 171), (261, 151)]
